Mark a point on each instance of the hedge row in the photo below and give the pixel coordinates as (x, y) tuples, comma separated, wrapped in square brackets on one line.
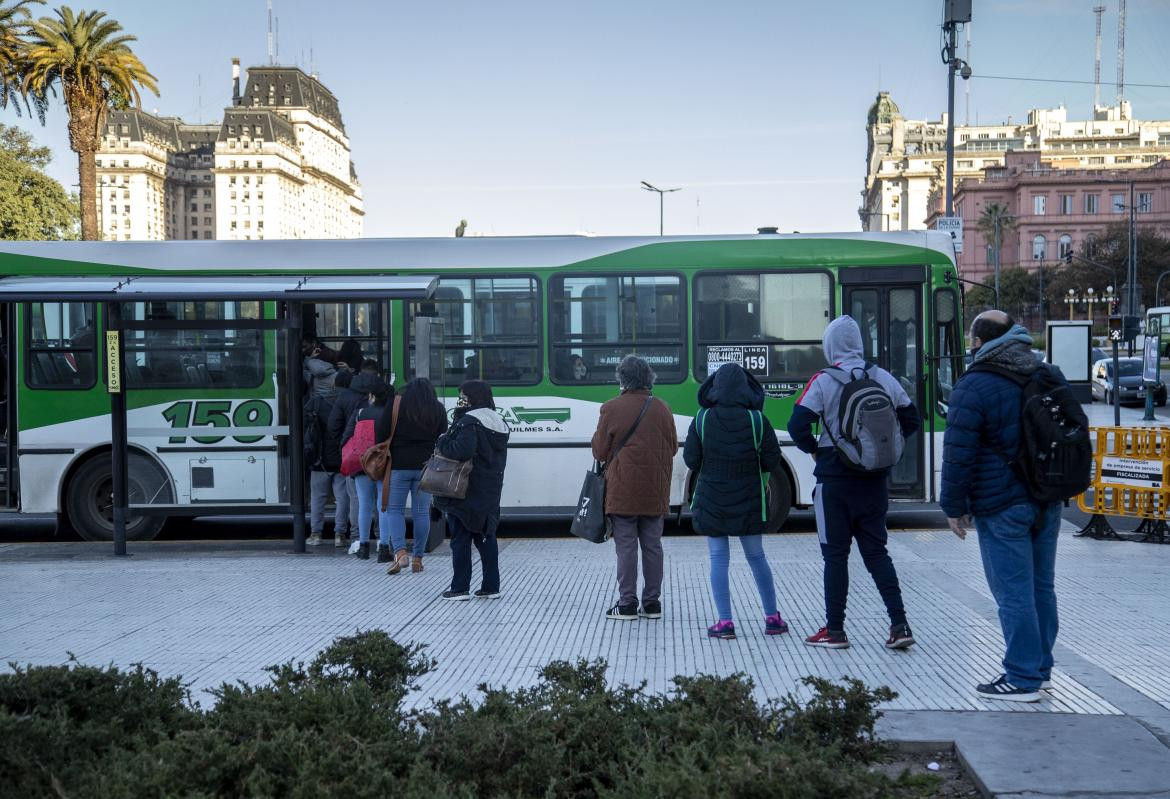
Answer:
[(338, 728)]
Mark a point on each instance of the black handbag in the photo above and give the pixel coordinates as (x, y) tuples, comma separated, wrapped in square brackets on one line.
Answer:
[(590, 521)]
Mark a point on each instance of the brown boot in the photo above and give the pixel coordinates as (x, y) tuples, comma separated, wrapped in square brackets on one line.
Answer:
[(400, 561), (416, 564)]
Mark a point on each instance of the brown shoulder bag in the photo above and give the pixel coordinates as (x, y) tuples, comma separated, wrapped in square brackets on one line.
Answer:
[(376, 459)]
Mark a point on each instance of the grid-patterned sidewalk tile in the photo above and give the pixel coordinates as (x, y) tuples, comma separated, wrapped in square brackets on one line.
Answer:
[(216, 613)]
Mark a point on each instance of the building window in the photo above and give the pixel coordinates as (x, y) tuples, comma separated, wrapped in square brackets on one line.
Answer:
[(194, 206), (207, 234), (1092, 203), (1039, 202), (491, 330), (1066, 204), (780, 314), (1145, 202), (259, 164), (1117, 203), (233, 227), (1039, 248), (1066, 245), (60, 345), (233, 195)]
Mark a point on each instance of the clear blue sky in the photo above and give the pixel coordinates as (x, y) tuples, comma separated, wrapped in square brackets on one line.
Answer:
[(542, 116)]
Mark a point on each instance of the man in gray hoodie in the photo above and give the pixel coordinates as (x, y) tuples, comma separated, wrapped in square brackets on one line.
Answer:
[(850, 503)]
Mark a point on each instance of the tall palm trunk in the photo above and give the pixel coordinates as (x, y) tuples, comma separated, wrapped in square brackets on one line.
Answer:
[(85, 122)]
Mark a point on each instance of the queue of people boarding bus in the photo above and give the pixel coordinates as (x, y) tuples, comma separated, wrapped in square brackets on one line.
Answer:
[(864, 416)]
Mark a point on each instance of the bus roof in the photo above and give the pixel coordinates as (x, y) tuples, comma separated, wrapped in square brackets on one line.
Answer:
[(302, 256)]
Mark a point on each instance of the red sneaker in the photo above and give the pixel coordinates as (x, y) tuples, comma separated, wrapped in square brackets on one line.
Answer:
[(829, 639)]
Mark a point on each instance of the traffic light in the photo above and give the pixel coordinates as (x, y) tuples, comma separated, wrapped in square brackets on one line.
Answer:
[(1116, 328)]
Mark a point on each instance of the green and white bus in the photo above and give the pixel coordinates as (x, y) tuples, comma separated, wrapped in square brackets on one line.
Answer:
[(544, 320)]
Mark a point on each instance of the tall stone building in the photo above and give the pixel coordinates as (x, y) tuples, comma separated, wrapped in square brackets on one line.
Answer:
[(906, 159), (277, 166)]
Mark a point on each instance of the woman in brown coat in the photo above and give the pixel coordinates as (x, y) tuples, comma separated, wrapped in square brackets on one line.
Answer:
[(637, 495)]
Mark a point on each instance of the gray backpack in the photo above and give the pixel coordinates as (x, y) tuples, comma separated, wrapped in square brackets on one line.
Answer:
[(869, 437)]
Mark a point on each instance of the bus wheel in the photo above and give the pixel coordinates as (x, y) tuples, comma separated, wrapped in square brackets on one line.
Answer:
[(779, 498), (89, 501)]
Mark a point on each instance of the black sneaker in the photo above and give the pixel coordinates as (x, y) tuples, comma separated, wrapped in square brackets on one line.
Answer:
[(363, 552), (1000, 688), (622, 612), (651, 610), (482, 594), (900, 637), (456, 596), (384, 554)]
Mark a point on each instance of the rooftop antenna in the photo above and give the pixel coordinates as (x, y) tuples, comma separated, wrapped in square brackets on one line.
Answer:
[(199, 97), (271, 56), (312, 65), (276, 40), (1097, 12), (1120, 51)]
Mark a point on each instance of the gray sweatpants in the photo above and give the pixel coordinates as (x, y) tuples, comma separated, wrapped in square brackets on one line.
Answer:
[(320, 485), (630, 532), (351, 493)]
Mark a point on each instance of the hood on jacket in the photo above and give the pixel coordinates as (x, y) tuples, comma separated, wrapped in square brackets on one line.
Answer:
[(491, 419), (732, 387), (322, 374), (842, 343), (1011, 351), (1017, 334)]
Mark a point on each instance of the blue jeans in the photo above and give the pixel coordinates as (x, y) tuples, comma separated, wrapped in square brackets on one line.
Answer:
[(719, 548), (403, 483), (1018, 546), (369, 493)]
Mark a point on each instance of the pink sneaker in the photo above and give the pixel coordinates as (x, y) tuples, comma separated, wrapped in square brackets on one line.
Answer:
[(775, 625), (721, 629)]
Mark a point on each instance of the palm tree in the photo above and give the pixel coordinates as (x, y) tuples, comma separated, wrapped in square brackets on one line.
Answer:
[(14, 21), (994, 221), (89, 57)]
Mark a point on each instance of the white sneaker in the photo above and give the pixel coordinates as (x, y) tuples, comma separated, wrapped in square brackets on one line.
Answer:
[(314, 540)]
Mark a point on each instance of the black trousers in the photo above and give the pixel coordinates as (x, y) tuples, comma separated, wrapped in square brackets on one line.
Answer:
[(855, 509), (489, 555)]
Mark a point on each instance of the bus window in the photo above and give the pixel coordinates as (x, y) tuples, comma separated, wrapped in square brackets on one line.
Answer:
[(490, 329), (207, 358), (596, 320), (780, 314), (61, 342), (948, 345)]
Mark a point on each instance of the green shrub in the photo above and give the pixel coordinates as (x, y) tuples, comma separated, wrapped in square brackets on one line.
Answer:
[(337, 727)]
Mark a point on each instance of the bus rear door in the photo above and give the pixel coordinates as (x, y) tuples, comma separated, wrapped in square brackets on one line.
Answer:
[(887, 304)]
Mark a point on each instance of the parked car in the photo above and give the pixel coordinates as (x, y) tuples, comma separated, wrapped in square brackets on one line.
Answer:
[(1131, 387)]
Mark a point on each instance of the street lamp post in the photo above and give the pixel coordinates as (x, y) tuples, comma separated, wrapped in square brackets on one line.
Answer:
[(661, 192), (955, 14)]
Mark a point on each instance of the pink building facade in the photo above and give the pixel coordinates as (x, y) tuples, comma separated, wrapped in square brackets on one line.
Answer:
[(1053, 210)]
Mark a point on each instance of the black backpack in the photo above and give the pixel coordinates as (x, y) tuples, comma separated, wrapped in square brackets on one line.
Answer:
[(311, 426), (1055, 459)]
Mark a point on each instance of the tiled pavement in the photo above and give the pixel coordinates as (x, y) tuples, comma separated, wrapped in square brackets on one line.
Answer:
[(220, 612)]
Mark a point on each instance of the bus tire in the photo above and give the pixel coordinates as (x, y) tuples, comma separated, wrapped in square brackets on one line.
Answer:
[(779, 499), (89, 502)]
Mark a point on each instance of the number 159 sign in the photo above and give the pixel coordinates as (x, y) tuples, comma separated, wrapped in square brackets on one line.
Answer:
[(752, 357)]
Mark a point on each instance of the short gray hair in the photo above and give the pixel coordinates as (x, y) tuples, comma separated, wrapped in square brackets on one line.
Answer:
[(634, 374)]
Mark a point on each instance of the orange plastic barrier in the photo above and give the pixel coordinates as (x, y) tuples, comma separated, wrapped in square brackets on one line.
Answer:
[(1131, 477)]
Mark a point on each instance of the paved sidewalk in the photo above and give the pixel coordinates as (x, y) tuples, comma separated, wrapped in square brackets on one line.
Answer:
[(221, 612)]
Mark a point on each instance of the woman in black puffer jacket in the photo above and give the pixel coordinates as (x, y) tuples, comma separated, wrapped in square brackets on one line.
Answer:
[(479, 434), (732, 445)]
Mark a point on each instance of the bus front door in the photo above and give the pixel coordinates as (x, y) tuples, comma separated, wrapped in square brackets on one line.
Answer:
[(9, 485), (890, 317)]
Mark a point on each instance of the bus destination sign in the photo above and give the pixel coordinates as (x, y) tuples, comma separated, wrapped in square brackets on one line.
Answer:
[(113, 363), (752, 357)]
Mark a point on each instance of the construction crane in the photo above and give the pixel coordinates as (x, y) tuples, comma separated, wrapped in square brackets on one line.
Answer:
[(1097, 11), (1120, 51)]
